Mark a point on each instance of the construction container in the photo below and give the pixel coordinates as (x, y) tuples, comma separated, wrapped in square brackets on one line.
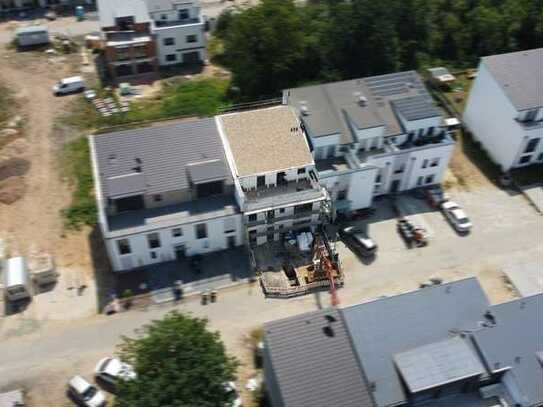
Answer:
[(17, 284), (32, 36)]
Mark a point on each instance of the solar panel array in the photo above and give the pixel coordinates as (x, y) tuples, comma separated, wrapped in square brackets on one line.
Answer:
[(415, 108)]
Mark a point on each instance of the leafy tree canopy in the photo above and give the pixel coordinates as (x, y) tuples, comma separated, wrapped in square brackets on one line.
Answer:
[(179, 363), (283, 43)]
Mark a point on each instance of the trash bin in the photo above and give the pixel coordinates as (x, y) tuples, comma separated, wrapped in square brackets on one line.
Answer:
[(214, 296), (205, 297)]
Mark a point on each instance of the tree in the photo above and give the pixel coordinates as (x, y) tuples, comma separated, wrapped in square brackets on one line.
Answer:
[(179, 363)]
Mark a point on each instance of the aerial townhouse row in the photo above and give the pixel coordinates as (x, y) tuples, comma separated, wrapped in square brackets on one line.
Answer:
[(142, 35), (440, 346), (186, 187)]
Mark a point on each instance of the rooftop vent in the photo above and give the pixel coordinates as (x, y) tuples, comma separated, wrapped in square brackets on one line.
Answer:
[(304, 110), (328, 331), (362, 100), (490, 317), (330, 318)]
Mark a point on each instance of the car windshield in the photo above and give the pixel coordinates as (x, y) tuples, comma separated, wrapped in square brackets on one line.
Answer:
[(104, 364), (89, 393), (463, 220)]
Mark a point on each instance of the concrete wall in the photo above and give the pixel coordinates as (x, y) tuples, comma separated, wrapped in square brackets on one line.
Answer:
[(490, 116), (141, 253), (180, 46), (358, 183)]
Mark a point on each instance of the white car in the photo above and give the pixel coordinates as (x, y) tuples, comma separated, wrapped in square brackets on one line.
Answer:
[(85, 393), (72, 84), (456, 215), (231, 388), (110, 370)]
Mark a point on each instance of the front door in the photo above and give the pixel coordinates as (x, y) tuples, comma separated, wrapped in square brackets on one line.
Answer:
[(231, 241), (395, 186), (180, 252)]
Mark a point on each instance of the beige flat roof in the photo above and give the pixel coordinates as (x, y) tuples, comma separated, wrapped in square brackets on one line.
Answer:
[(266, 140)]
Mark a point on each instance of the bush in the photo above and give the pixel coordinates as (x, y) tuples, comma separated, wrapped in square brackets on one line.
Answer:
[(82, 210)]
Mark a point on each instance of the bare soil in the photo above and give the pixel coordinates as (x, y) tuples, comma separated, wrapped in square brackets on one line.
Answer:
[(32, 189)]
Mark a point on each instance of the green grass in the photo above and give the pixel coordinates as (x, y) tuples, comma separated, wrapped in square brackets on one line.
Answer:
[(198, 97), (6, 105), (82, 210), (201, 97)]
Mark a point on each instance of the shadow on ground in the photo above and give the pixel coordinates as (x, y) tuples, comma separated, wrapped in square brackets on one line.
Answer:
[(103, 275)]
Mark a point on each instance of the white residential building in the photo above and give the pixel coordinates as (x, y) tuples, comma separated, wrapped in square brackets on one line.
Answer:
[(504, 111), (179, 29), (275, 179), (373, 136), (164, 192)]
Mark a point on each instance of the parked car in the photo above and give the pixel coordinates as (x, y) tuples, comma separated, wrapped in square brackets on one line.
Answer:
[(231, 388), (72, 84), (85, 393), (110, 370), (456, 216), (358, 241)]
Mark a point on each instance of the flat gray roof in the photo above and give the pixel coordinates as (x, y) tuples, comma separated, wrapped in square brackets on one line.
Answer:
[(314, 362), (159, 158), (514, 343), (383, 328), (437, 364), (128, 223), (520, 76), (333, 108), (109, 10)]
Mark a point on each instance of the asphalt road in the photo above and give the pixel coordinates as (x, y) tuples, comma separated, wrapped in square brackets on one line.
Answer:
[(506, 230)]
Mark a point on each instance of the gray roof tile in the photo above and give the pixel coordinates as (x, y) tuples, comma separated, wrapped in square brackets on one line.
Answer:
[(520, 75), (161, 155), (383, 328), (313, 368)]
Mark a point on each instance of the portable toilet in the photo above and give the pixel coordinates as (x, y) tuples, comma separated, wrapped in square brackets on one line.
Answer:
[(80, 13), (17, 285)]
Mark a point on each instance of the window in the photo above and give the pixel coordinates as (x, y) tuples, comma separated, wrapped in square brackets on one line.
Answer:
[(183, 14), (177, 232), (400, 169), (153, 255), (171, 57), (124, 246), (169, 41), (301, 171), (530, 116), (157, 198), (526, 159), (540, 157), (378, 178), (252, 217), (229, 225), (209, 189), (153, 239), (342, 195), (192, 38), (435, 162), (532, 145), (419, 181), (425, 164), (201, 231), (164, 17), (430, 179), (270, 214), (281, 210)]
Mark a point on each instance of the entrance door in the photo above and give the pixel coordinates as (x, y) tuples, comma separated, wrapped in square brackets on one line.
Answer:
[(231, 242), (260, 181), (395, 186), (180, 252), (191, 57)]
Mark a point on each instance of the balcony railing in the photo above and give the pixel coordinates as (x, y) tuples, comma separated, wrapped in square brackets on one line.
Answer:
[(173, 23)]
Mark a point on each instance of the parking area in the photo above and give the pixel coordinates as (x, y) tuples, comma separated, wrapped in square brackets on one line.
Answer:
[(504, 226)]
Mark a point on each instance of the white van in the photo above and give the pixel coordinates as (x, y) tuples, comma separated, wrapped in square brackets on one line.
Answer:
[(16, 279), (72, 84)]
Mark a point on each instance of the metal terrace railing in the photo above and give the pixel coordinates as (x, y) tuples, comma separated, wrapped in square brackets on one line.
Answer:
[(260, 104)]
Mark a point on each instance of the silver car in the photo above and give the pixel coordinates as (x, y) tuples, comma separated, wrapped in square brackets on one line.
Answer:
[(456, 216)]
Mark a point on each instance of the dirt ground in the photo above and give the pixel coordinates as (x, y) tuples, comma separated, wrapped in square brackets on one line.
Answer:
[(30, 164)]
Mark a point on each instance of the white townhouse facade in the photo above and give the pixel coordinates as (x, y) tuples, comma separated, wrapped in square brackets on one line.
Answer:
[(164, 192), (179, 28), (276, 182), (504, 111), (373, 136)]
